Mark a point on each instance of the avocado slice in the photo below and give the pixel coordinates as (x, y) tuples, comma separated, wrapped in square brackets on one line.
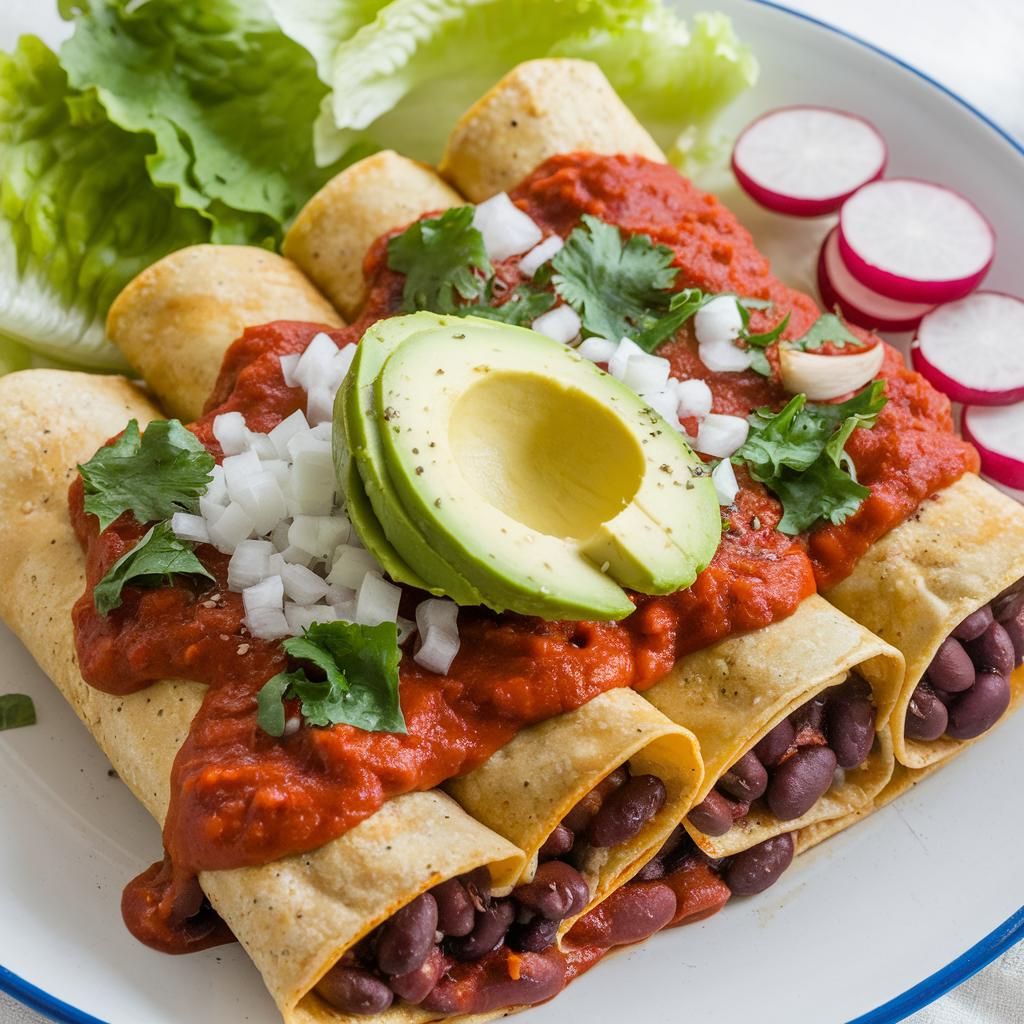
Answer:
[(542, 479), (375, 509)]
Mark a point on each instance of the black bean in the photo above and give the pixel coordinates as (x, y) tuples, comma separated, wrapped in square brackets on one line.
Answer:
[(541, 976), (713, 815), (977, 710), (456, 914), (974, 625), (927, 716), (775, 744), (625, 811), (478, 885), (641, 911), (415, 986), (533, 936), (557, 891), (993, 650), (951, 669), (353, 990), (754, 870), (1012, 618), (799, 783), (651, 871), (851, 729), (488, 932), (677, 848), (407, 937), (810, 716), (746, 780), (579, 817), (557, 844)]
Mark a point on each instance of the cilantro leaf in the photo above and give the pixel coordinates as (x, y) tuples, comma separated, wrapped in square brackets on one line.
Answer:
[(156, 559), (799, 454), (759, 342), (681, 307), (361, 685), (16, 710), (163, 471), (617, 289), (522, 307), (439, 257), (827, 327)]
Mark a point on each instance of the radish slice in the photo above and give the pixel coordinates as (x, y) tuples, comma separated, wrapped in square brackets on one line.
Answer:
[(822, 377), (998, 434), (805, 161), (858, 303), (973, 350), (915, 241)]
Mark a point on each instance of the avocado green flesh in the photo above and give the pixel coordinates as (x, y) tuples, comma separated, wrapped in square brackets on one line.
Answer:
[(545, 481), (377, 513)]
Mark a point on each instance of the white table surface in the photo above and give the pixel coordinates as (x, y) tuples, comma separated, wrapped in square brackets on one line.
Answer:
[(974, 48)]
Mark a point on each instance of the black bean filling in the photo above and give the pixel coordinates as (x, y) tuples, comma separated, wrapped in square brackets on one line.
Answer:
[(795, 765), (411, 956), (966, 688)]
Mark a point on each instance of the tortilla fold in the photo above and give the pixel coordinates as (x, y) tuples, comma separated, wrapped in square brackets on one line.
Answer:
[(538, 110), (526, 788), (176, 319), (297, 916), (958, 551), (736, 691), (335, 229)]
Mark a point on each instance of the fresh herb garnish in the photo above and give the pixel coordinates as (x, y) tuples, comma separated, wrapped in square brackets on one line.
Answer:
[(360, 664), (759, 342), (153, 475), (156, 559), (799, 454), (681, 307), (828, 327), (16, 710), (442, 258), (520, 309), (618, 288)]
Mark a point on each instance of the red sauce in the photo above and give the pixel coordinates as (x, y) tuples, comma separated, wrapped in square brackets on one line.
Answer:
[(240, 797)]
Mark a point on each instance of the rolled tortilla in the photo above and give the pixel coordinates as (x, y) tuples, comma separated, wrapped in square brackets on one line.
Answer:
[(735, 692), (335, 229), (176, 319), (526, 788), (297, 916), (958, 551), (538, 110)]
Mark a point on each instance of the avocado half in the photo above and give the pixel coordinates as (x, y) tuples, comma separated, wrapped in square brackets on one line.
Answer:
[(501, 468)]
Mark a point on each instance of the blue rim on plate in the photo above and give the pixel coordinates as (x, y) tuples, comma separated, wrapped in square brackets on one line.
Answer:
[(1008, 934)]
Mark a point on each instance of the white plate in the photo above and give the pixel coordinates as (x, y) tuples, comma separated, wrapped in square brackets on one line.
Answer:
[(869, 927)]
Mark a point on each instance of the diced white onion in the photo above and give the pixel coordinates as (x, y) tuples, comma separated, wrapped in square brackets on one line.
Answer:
[(276, 564), (217, 489), (264, 609), (694, 399), (230, 431), (320, 403), (664, 403), (339, 367), (437, 623), (302, 585), (540, 254), (286, 430), (315, 362), (344, 611), (645, 373), (300, 617), (350, 566), (406, 628), (376, 600), (279, 535), (724, 478), (288, 365), (262, 446), (721, 436), (250, 564), (240, 469), (278, 469), (559, 324), (231, 528), (297, 556), (506, 229), (267, 624), (620, 357), (307, 442), (312, 484), (211, 510), (718, 321), (322, 432), (598, 350), (319, 535), (262, 500), (725, 357), (340, 595), (186, 526)]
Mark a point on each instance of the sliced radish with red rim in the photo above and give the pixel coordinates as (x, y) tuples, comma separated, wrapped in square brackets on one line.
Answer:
[(805, 161), (915, 241), (858, 303), (973, 349), (998, 434)]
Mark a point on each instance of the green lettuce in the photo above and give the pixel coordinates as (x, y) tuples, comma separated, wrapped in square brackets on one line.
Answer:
[(79, 216)]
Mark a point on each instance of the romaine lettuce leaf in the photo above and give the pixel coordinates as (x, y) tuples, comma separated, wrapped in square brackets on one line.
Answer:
[(79, 216)]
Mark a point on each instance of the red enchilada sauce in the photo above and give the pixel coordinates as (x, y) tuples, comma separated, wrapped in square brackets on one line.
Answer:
[(240, 797)]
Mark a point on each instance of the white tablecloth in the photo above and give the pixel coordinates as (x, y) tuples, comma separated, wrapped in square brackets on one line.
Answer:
[(974, 48)]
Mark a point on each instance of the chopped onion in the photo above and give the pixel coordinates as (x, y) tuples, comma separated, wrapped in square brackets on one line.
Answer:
[(645, 373), (262, 445), (264, 609), (559, 324), (340, 595), (312, 486), (319, 535), (279, 535), (314, 363), (506, 229), (288, 428), (344, 611), (297, 556), (276, 564), (303, 585), (288, 365), (231, 528), (723, 476), (320, 403), (376, 600), (664, 403), (718, 321), (186, 526), (300, 617), (240, 469), (821, 377), (540, 254), (406, 628), (340, 365), (211, 510), (598, 350), (278, 469), (725, 357), (322, 432), (230, 431), (437, 623), (262, 500), (217, 489), (694, 398), (350, 566), (250, 564), (620, 357), (721, 436), (267, 624)]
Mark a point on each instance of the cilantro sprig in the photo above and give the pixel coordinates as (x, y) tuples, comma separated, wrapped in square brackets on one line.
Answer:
[(827, 328), (156, 559), (152, 475), (16, 711), (799, 454), (360, 684)]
